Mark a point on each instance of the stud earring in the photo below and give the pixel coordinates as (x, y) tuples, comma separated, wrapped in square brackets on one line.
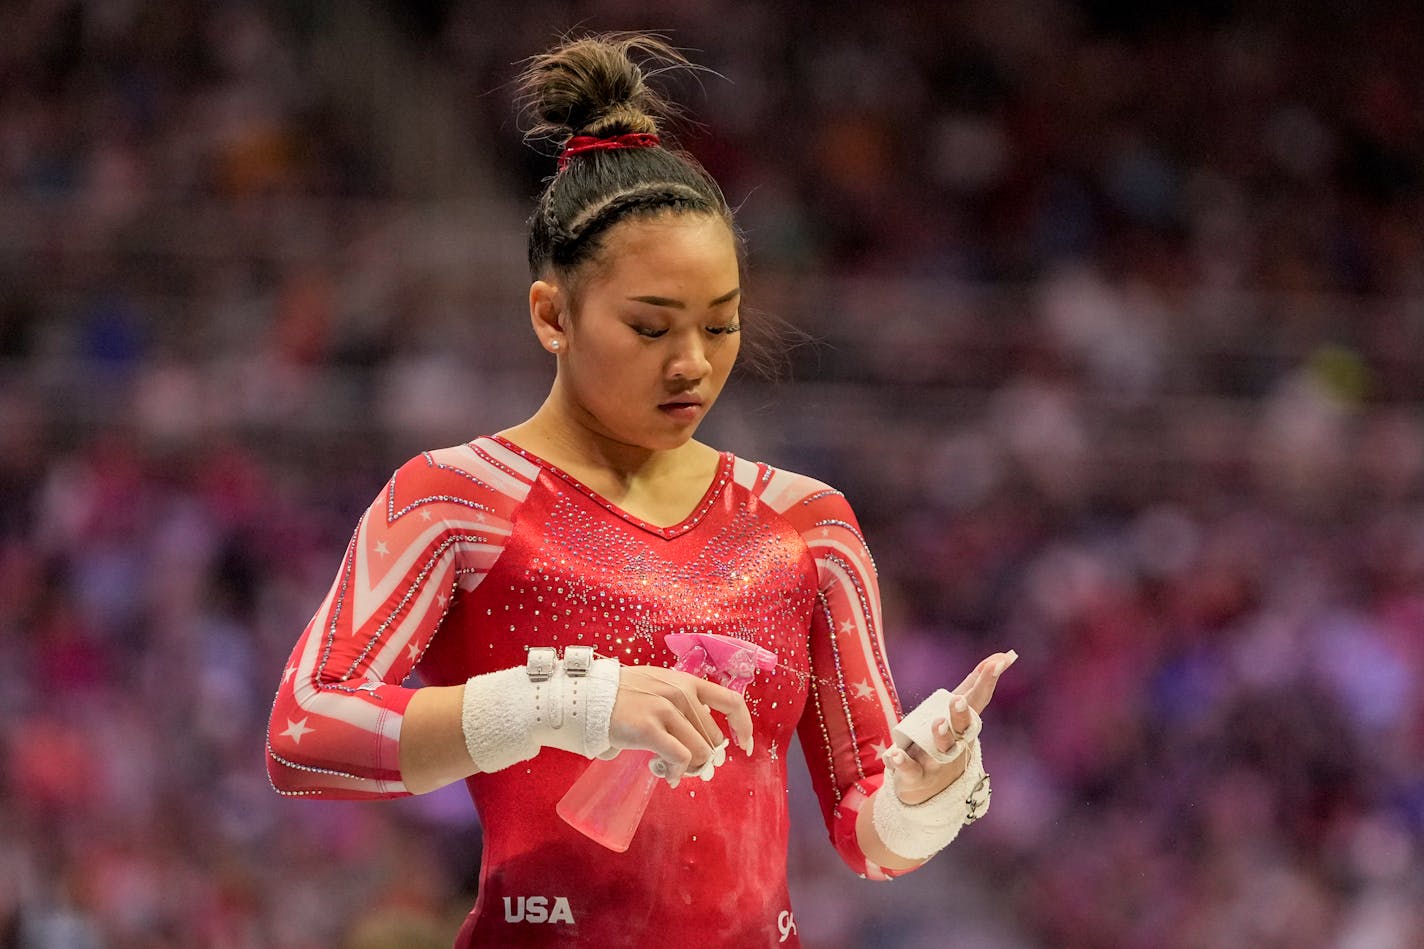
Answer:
[(554, 345)]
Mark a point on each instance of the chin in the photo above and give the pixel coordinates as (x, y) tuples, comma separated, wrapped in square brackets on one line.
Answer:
[(648, 440), (655, 434), (668, 440)]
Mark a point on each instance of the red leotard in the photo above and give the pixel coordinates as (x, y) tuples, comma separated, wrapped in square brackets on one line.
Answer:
[(475, 553)]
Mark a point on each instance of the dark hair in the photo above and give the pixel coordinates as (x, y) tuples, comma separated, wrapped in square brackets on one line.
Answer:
[(596, 86)]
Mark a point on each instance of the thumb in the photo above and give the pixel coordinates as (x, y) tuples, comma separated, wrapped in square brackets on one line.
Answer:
[(905, 766)]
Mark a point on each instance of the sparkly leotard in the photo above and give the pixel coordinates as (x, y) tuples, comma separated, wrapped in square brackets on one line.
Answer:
[(475, 553)]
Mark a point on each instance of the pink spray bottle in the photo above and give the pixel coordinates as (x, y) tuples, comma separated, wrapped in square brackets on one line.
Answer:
[(607, 802)]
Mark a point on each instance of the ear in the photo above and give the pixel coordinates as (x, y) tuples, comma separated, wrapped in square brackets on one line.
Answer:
[(546, 315)]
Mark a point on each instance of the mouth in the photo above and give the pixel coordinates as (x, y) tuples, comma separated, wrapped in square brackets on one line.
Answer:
[(683, 408)]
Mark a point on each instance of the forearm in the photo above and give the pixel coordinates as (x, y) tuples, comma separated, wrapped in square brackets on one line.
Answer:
[(433, 751), (334, 738)]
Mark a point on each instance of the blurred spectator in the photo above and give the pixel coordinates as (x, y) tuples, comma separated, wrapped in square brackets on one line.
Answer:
[(1121, 360)]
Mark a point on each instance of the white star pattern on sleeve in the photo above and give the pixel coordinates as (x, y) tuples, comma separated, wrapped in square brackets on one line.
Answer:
[(334, 728), (295, 730), (863, 690)]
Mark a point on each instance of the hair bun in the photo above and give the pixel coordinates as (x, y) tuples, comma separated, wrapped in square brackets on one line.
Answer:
[(595, 85)]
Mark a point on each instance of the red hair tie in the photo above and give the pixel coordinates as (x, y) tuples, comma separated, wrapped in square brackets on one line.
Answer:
[(587, 143)]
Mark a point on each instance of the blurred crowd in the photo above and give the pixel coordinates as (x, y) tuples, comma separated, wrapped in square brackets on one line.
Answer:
[(1115, 327)]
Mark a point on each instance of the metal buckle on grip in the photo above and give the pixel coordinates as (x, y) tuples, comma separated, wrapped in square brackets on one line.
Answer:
[(578, 660), (541, 663)]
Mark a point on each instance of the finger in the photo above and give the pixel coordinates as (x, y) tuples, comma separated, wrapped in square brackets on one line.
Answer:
[(945, 733), (960, 720), (656, 719), (971, 680), (955, 723), (699, 715), (984, 689), (679, 688), (695, 748), (731, 704), (907, 766), (706, 724), (675, 754), (985, 678)]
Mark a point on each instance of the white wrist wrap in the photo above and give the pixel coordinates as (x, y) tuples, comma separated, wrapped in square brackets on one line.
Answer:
[(918, 831), (509, 715)]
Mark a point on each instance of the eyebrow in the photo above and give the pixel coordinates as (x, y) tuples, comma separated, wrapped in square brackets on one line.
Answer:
[(679, 305)]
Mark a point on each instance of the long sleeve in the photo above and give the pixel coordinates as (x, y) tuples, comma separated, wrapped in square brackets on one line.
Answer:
[(852, 703), (432, 534)]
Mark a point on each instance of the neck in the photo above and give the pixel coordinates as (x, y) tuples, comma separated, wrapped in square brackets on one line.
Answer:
[(565, 434)]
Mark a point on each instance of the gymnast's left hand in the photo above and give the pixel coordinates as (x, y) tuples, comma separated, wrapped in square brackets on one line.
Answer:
[(918, 777)]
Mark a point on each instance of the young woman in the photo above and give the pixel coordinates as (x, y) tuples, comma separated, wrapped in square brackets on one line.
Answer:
[(591, 531)]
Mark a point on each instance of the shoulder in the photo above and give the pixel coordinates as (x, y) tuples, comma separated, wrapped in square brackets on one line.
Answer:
[(481, 469), (818, 512), (791, 494)]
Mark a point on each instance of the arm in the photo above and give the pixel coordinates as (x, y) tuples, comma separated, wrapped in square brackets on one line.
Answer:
[(339, 719), (853, 705), (432, 743)]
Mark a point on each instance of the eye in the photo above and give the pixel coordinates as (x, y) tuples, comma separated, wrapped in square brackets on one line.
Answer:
[(647, 332), (726, 329)]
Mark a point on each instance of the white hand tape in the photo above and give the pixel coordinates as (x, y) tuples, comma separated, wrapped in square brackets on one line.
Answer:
[(917, 728)]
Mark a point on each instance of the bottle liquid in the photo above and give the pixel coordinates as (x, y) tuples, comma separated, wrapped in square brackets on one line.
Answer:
[(607, 802)]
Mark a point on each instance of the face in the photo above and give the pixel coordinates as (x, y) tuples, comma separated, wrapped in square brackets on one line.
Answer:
[(654, 333)]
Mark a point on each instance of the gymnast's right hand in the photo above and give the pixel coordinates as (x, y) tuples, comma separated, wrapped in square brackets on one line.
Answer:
[(668, 712)]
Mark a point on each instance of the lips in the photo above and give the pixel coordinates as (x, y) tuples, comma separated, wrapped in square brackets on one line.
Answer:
[(682, 408), (681, 398)]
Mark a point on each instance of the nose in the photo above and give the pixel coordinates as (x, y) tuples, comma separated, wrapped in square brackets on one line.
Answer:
[(689, 358)]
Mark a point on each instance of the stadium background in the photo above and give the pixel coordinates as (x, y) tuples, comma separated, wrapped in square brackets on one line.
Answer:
[(1118, 320)]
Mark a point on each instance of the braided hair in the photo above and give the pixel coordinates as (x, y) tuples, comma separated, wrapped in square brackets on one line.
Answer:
[(595, 86)]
